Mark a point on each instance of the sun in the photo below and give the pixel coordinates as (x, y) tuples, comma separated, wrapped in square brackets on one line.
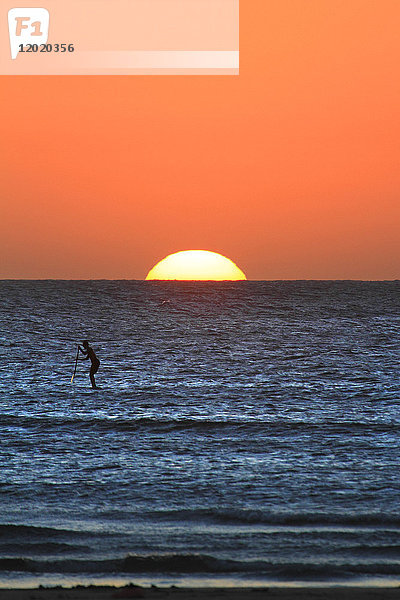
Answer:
[(196, 265)]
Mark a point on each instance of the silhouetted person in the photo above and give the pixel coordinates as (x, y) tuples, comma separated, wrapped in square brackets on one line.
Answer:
[(89, 353)]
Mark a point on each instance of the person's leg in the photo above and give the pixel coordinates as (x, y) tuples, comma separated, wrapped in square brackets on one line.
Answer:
[(92, 372)]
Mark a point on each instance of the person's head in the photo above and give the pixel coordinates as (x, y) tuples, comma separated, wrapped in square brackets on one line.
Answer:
[(85, 344)]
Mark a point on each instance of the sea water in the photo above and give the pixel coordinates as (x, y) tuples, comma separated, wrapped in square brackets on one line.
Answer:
[(243, 432)]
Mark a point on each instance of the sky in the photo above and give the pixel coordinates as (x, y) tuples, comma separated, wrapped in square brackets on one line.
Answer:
[(291, 169)]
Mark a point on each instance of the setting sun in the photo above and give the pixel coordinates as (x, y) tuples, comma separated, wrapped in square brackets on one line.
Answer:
[(200, 265)]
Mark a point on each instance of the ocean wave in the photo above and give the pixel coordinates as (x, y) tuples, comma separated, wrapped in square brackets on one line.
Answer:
[(26, 533), (170, 424), (7, 529), (373, 550), (172, 563), (40, 548), (200, 564), (262, 517)]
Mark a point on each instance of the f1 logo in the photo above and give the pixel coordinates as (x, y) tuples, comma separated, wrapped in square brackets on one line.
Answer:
[(27, 26)]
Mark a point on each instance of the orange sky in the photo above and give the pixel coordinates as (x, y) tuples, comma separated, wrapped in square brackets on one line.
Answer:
[(292, 169)]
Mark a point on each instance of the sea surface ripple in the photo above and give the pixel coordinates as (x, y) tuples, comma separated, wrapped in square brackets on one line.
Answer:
[(244, 431)]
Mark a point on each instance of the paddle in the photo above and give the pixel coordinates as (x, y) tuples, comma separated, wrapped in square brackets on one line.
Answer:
[(76, 363)]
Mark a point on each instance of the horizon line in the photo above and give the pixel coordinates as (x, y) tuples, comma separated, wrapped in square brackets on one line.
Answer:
[(194, 280)]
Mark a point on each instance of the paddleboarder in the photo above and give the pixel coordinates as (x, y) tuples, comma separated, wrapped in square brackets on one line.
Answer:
[(89, 353)]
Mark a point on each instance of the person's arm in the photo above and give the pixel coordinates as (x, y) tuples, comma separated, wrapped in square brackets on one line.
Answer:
[(84, 352)]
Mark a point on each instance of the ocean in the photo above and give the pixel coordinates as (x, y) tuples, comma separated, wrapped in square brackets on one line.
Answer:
[(243, 433)]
